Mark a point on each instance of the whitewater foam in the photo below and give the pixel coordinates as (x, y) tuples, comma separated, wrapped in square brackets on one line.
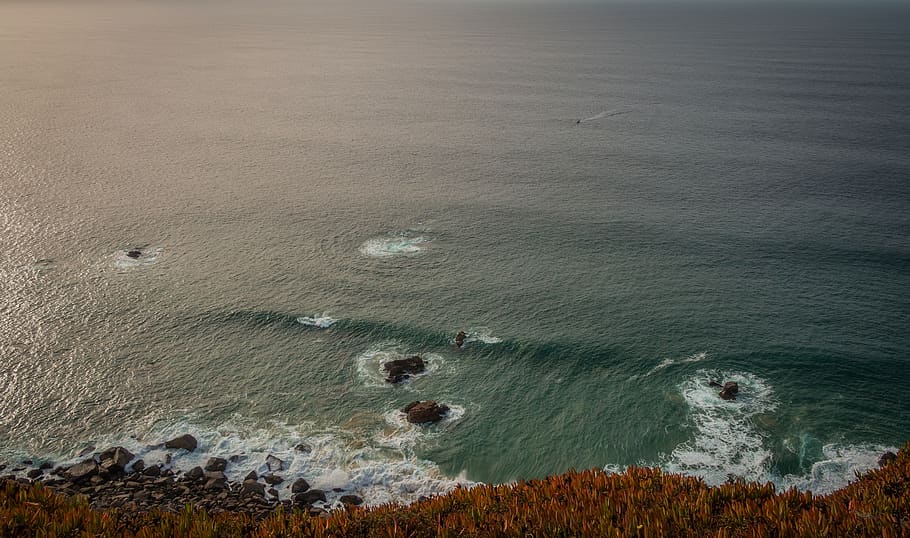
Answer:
[(481, 335), (605, 114), (321, 322), (697, 357), (403, 244)]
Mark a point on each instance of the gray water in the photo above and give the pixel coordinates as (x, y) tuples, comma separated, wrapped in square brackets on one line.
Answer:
[(618, 202)]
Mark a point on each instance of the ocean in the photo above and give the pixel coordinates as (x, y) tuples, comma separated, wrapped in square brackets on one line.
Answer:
[(617, 202)]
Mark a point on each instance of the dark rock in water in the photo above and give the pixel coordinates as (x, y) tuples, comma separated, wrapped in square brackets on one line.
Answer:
[(273, 479), (713, 383), (216, 483), (46, 465), (237, 458), (27, 462), (299, 486), (730, 390), (251, 476), (86, 451), (401, 369), (34, 473), (351, 499), (252, 487), (186, 442), (460, 338), (2, 466), (303, 447), (82, 472), (273, 492), (886, 458), (139, 466), (154, 470), (134, 253), (273, 463), (216, 464), (426, 411), (309, 497), (114, 460), (196, 473)]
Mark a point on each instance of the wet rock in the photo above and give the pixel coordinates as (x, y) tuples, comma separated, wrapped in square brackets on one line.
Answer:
[(273, 479), (217, 475), (299, 486), (351, 499), (303, 447), (713, 383), (185, 441), (273, 463), (82, 472), (154, 470), (139, 466), (114, 460), (426, 411), (309, 497), (460, 338), (27, 462), (402, 369), (46, 465), (251, 487), (215, 483), (273, 492), (730, 390), (251, 476), (886, 458), (134, 253), (237, 458), (196, 473), (34, 473), (2, 466), (216, 464)]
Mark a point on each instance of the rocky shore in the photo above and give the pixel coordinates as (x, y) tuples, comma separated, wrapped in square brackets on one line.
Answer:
[(115, 478)]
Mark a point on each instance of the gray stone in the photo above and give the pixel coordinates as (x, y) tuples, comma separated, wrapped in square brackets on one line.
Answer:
[(299, 486), (216, 464), (309, 497), (185, 441), (252, 487)]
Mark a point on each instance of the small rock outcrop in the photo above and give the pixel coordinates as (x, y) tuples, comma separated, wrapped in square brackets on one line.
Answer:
[(82, 472), (730, 390), (460, 338), (426, 411), (134, 253), (299, 486), (402, 369), (351, 499), (886, 458), (216, 464), (309, 497), (185, 441)]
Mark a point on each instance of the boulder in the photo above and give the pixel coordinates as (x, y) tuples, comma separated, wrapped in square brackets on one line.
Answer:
[(154, 470), (460, 338), (134, 253), (426, 411), (34, 473), (401, 369), (273, 463), (309, 497), (251, 476), (886, 458), (82, 472), (114, 460), (216, 483), (730, 390), (218, 475), (299, 486), (273, 479), (252, 487), (216, 464), (196, 473), (185, 441), (351, 499), (139, 466)]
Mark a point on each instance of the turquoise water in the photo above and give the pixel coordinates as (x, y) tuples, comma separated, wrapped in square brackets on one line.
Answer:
[(318, 188)]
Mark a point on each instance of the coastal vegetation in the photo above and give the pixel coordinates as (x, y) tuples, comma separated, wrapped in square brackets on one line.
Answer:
[(637, 502)]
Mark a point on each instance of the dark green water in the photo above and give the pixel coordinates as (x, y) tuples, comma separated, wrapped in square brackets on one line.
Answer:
[(733, 205)]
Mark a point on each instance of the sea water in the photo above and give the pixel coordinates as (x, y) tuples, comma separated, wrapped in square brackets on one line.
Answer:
[(618, 203)]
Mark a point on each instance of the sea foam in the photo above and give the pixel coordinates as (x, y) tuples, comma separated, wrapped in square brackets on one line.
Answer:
[(397, 245), (320, 322)]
